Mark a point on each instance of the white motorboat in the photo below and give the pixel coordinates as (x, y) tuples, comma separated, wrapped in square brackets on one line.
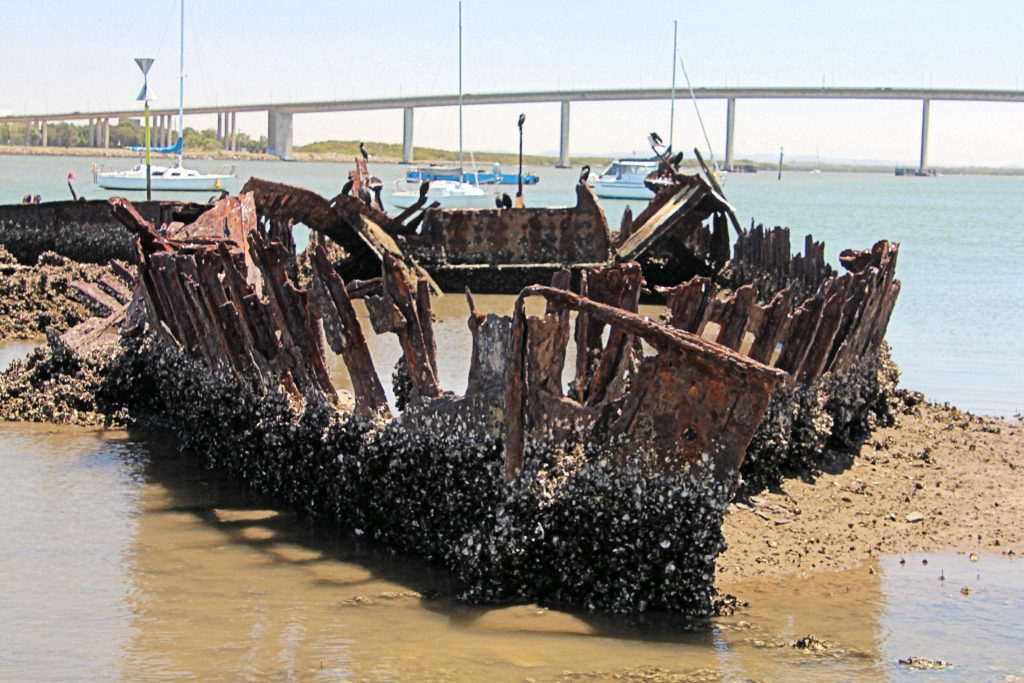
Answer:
[(449, 193), (624, 179), (165, 178)]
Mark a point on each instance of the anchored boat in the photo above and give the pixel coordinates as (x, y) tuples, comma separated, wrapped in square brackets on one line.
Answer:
[(174, 178), (624, 179), (493, 177)]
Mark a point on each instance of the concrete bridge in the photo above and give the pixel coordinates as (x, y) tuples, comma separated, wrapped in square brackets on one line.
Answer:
[(280, 116)]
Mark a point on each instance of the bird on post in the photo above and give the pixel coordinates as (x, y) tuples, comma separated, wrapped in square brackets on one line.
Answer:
[(584, 174), (362, 150), (654, 140), (519, 194)]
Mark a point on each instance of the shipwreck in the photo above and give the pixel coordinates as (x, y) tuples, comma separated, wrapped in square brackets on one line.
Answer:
[(605, 492)]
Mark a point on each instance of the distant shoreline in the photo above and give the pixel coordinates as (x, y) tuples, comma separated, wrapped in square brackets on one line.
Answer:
[(337, 157)]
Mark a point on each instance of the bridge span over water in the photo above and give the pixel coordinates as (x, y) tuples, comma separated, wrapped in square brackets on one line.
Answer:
[(280, 115)]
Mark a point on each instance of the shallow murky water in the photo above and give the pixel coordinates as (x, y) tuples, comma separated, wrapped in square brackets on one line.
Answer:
[(122, 559)]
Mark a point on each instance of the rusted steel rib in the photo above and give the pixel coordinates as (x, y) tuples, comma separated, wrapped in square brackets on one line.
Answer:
[(344, 220), (656, 410), (345, 335), (845, 319), (395, 311)]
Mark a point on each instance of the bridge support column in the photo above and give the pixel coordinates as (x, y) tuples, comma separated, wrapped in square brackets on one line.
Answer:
[(925, 107), (279, 133), (106, 133), (220, 127), (167, 130), (42, 129), (730, 130), (92, 132), (407, 148), (234, 132), (563, 142)]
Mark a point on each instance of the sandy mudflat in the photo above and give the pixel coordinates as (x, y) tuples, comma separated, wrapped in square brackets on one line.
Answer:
[(940, 479)]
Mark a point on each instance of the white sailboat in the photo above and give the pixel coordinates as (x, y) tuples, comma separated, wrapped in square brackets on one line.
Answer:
[(174, 178), (450, 193)]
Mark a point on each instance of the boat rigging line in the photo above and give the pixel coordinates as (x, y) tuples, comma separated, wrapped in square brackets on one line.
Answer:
[(711, 153)]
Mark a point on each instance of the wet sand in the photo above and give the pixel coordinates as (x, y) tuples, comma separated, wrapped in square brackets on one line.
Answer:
[(939, 480)]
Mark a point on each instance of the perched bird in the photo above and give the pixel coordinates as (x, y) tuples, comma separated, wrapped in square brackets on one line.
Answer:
[(424, 188), (347, 187), (676, 159), (584, 174), (655, 140), (364, 194), (506, 201), (362, 150), (497, 202)]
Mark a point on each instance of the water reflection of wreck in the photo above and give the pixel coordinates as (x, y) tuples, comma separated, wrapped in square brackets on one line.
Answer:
[(614, 487)]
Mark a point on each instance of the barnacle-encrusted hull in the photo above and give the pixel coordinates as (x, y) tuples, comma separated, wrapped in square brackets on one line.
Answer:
[(606, 496)]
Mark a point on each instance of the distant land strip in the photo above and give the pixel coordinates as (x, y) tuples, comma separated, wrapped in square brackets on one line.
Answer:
[(382, 152)]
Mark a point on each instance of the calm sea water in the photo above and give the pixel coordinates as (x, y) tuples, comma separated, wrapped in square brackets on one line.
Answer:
[(120, 559)]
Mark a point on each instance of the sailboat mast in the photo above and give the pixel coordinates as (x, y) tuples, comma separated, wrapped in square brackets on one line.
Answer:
[(460, 89), (181, 83), (672, 108)]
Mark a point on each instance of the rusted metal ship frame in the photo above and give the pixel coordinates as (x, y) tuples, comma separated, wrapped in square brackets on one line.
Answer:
[(223, 289), (651, 402), (503, 250), (197, 291)]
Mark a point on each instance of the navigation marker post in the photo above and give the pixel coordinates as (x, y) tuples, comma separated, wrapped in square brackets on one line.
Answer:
[(145, 95)]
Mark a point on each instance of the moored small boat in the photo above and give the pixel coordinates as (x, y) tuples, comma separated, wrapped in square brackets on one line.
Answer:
[(493, 177), (624, 179), (448, 193), (164, 178)]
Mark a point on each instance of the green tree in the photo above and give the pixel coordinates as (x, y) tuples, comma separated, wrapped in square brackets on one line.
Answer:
[(204, 141), (126, 133), (65, 134)]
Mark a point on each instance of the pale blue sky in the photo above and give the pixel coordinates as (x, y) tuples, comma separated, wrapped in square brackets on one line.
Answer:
[(60, 56)]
